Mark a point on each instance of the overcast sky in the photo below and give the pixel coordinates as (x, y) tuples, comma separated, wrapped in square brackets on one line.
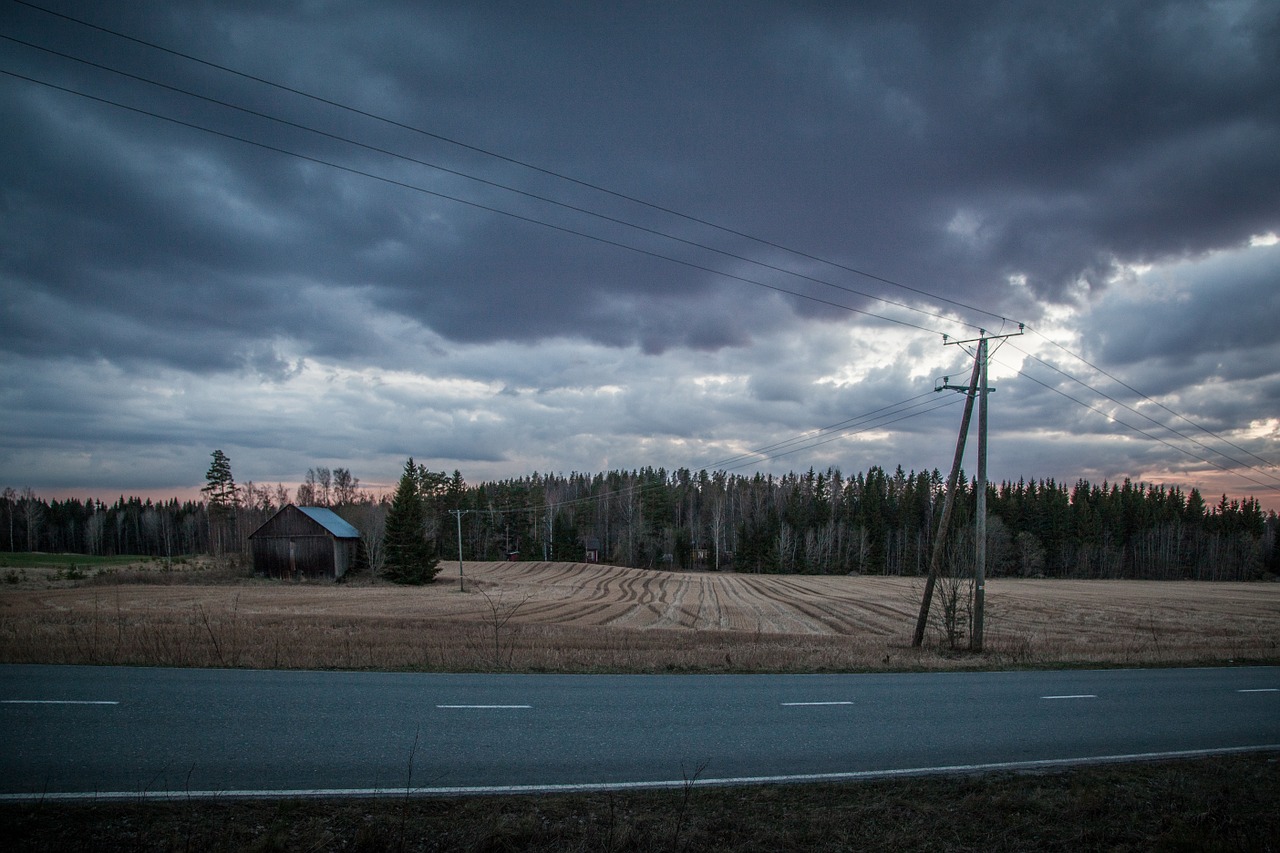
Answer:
[(515, 237)]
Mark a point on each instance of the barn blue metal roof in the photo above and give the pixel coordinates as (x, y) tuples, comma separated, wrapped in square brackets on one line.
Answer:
[(330, 521)]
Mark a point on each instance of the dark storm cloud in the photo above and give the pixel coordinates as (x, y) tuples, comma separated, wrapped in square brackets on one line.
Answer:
[(950, 148), (1020, 158)]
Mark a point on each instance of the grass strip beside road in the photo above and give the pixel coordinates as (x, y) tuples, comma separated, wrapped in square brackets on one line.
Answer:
[(1221, 803)]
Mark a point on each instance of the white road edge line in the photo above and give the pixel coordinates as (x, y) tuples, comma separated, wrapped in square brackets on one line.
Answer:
[(57, 702), (498, 707), (805, 704), (1074, 696), (588, 787)]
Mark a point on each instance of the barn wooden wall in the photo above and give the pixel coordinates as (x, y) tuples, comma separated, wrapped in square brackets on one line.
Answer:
[(317, 554), (313, 557)]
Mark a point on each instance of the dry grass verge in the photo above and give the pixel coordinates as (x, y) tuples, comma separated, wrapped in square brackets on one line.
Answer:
[(590, 618), (1218, 804)]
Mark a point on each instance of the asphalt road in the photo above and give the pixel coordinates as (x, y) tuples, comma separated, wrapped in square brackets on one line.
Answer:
[(72, 732)]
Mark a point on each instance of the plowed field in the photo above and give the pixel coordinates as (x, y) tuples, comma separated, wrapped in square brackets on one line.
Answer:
[(583, 618)]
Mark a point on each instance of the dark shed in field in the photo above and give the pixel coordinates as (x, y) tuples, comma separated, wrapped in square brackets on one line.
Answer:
[(304, 542)]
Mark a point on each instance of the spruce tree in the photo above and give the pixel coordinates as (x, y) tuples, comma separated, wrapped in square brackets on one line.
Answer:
[(408, 557)]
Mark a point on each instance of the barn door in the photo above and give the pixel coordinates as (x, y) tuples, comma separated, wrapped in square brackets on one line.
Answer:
[(293, 563)]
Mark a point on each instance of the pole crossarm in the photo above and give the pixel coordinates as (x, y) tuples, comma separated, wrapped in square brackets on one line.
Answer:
[(983, 336), (946, 386)]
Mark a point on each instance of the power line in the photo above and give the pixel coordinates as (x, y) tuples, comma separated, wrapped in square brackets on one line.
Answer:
[(753, 454), (1122, 383), (762, 454), (1140, 431), (485, 181), (474, 204), (512, 160), (1129, 408), (946, 402)]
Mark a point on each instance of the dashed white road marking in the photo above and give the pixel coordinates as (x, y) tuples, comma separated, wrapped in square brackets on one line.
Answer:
[(804, 704), (489, 707), (1073, 696), (58, 702), (1260, 690)]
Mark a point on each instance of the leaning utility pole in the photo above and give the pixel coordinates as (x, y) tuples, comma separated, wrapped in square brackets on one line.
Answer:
[(935, 559), (977, 387)]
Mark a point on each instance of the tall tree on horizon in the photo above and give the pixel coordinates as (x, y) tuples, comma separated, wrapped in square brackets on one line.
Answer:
[(407, 555), (223, 498)]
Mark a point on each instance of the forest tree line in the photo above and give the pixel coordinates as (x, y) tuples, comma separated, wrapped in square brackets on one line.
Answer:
[(874, 522)]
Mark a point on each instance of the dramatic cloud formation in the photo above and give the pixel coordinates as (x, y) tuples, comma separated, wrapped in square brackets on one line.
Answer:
[(508, 238)]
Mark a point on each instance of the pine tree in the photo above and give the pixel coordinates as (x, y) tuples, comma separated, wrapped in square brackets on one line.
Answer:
[(221, 489), (408, 557), (223, 497)]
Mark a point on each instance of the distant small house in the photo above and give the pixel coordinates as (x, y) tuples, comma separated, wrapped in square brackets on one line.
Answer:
[(591, 549), (304, 542)]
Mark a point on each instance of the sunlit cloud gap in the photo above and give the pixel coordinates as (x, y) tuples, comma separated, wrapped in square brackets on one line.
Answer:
[(1113, 419), (1128, 387), (1127, 407)]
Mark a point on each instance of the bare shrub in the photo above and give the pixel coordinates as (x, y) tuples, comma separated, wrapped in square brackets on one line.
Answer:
[(500, 613), (954, 591)]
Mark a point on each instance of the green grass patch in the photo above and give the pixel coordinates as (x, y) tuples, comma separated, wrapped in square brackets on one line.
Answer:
[(39, 560), (1212, 804)]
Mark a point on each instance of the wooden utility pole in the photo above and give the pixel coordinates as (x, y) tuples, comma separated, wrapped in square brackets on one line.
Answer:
[(457, 513), (978, 388), (939, 540), (980, 547)]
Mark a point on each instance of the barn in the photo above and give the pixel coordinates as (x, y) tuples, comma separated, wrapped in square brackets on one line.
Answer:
[(304, 542)]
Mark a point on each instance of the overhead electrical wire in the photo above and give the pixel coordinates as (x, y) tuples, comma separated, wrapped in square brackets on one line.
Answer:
[(474, 204), (1129, 387), (950, 401), (758, 452), (504, 158), (1139, 430), (763, 454), (1127, 407), (487, 182)]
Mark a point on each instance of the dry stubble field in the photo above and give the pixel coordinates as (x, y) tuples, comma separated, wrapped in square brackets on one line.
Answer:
[(574, 617)]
